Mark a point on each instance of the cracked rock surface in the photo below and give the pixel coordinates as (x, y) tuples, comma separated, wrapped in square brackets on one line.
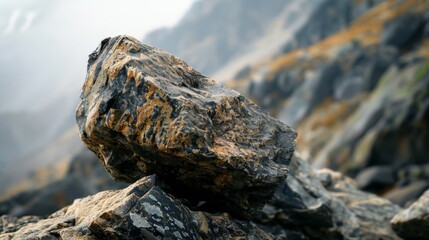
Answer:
[(324, 204), (141, 211), (413, 222), (144, 111)]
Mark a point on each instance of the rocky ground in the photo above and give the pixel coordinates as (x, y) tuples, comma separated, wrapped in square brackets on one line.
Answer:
[(205, 162), (359, 97), (353, 82)]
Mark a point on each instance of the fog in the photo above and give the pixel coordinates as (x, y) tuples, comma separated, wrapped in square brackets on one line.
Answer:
[(44, 44)]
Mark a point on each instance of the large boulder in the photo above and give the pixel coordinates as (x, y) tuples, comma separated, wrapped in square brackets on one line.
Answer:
[(413, 222), (141, 211), (144, 111)]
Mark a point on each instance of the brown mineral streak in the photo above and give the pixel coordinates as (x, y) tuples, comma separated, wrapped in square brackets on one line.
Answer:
[(186, 118)]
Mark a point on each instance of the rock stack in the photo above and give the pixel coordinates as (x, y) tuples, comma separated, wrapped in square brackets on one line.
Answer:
[(204, 163), (144, 112)]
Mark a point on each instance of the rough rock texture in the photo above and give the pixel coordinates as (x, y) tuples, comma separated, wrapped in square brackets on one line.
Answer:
[(141, 211), (215, 153), (311, 205), (144, 111), (9, 224), (325, 204), (413, 222)]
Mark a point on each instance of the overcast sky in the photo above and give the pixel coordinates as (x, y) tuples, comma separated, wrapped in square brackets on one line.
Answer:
[(109, 17), (44, 44)]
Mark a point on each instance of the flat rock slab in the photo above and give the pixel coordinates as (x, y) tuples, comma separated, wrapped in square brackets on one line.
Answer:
[(141, 211), (144, 111)]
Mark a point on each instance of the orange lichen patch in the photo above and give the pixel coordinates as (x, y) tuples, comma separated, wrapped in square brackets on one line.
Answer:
[(366, 30), (115, 63), (153, 114), (133, 72), (204, 226), (112, 117), (124, 123), (119, 121), (127, 45), (226, 146), (92, 117)]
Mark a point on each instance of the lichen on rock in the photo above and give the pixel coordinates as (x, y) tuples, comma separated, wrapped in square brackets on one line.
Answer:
[(144, 111), (141, 211)]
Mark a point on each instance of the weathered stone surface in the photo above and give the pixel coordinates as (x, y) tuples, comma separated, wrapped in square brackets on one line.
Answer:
[(10, 224), (141, 211), (144, 111), (413, 222), (324, 204), (311, 205)]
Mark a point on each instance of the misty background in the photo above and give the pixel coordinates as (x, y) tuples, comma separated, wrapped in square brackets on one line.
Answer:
[(44, 49), (352, 77)]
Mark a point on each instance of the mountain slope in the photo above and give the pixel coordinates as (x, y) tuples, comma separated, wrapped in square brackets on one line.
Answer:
[(220, 37), (214, 33), (359, 97)]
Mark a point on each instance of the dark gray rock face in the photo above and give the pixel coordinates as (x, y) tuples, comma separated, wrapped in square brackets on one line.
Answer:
[(413, 222), (402, 30), (141, 211), (144, 111), (326, 205)]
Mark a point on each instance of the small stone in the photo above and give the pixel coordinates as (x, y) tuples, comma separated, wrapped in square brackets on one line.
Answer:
[(413, 222)]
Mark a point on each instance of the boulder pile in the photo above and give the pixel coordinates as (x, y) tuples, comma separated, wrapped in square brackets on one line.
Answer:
[(204, 163), (144, 112)]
